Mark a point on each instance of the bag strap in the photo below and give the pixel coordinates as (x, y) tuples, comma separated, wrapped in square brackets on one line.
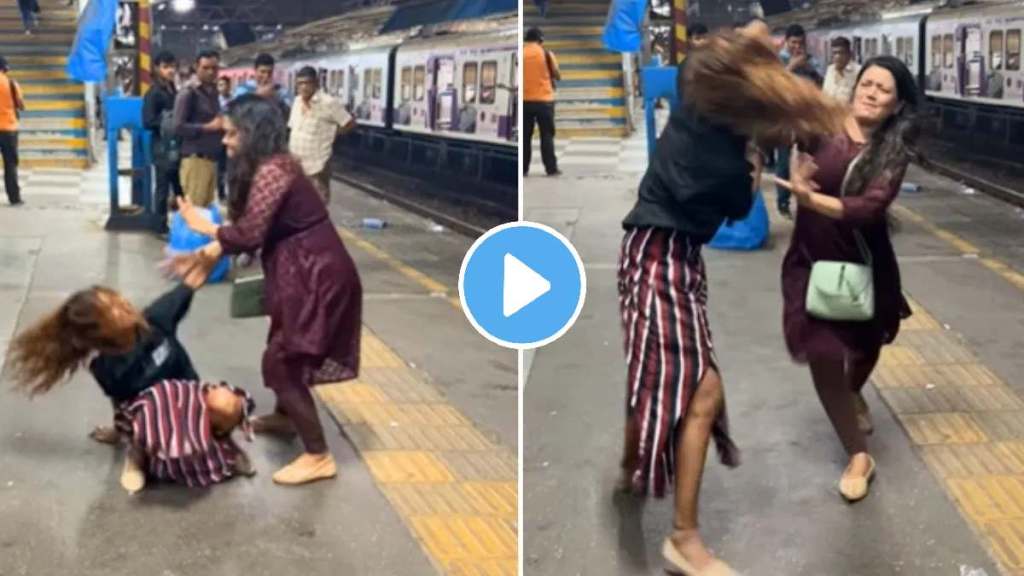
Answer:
[(862, 245)]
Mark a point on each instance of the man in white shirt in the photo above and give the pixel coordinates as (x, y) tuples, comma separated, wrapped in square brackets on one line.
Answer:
[(841, 77), (317, 118)]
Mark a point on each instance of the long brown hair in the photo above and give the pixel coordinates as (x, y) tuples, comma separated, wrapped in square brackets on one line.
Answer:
[(55, 347), (737, 80), (264, 134)]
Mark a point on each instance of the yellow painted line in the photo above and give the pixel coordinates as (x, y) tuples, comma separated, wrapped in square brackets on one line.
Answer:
[(429, 284), (55, 105), (37, 60), (590, 58), (1004, 270), (49, 89), (38, 74), (591, 74), (455, 490), (61, 143), (52, 123)]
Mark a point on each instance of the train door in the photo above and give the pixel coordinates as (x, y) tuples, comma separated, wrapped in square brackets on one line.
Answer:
[(445, 94), (970, 62), (512, 132), (858, 47), (353, 89), (1014, 74)]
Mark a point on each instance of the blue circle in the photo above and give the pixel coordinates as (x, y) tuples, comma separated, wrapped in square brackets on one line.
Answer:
[(546, 253)]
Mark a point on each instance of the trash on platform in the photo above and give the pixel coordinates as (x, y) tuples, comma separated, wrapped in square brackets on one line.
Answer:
[(374, 223), (435, 227), (969, 191), (971, 571), (911, 187)]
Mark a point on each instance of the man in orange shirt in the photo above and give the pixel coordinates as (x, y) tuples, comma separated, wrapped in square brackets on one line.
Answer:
[(540, 71), (11, 104)]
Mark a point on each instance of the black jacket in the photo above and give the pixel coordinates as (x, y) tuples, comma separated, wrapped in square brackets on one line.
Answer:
[(699, 177), (158, 100)]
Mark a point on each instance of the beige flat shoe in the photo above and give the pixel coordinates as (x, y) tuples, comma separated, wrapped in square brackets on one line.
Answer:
[(863, 415), (854, 488), (133, 479), (676, 564), (302, 471)]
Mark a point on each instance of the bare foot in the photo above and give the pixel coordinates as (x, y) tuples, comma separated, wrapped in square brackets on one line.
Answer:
[(690, 545), (105, 435), (133, 478), (273, 423), (307, 468)]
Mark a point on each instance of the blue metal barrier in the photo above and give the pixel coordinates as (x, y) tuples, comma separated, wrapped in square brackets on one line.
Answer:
[(658, 82), (126, 113)]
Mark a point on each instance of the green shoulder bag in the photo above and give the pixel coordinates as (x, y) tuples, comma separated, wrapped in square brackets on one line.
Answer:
[(843, 291), (248, 297)]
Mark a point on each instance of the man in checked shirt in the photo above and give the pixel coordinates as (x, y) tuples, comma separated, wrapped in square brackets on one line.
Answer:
[(317, 118)]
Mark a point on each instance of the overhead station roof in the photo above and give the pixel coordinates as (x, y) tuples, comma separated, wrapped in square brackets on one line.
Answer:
[(430, 13), (826, 13)]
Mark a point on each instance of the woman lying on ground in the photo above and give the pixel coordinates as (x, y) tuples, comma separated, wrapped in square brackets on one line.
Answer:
[(177, 427)]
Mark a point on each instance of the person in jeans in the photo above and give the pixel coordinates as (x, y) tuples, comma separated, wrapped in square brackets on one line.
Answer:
[(540, 72), (11, 103), (796, 59), (157, 110), (198, 122)]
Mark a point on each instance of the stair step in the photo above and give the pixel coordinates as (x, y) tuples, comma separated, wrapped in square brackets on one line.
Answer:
[(23, 75), (19, 38), (30, 50), (553, 30), (597, 58), (29, 142), (601, 66), (589, 113), (55, 105), (52, 13), (591, 132), (36, 112), (585, 93), (49, 124), (32, 89), (570, 75), (43, 163), (33, 99), (555, 45), (50, 133), (555, 8), (590, 122), (581, 21)]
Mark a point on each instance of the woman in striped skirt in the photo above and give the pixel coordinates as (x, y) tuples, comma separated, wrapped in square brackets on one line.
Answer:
[(177, 427), (698, 177)]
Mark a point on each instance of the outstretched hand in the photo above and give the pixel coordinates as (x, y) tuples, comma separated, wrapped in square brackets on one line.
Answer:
[(194, 219)]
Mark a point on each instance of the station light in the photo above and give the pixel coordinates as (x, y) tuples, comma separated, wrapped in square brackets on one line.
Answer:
[(181, 6)]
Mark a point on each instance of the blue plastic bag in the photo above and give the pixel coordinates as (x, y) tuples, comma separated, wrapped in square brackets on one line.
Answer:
[(87, 61), (624, 29), (747, 234), (182, 240)]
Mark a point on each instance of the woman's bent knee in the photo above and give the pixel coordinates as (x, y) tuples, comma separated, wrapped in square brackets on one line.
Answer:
[(709, 396)]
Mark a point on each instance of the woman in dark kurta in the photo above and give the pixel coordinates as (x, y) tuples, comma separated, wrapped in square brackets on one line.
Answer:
[(879, 133), (698, 177), (313, 294)]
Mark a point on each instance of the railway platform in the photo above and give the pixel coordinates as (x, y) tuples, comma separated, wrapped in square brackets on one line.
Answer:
[(947, 400), (426, 447)]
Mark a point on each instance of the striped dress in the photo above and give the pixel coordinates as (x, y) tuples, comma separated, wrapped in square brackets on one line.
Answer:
[(668, 346), (169, 423)]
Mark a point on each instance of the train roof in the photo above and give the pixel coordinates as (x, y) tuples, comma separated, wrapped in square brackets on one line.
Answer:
[(974, 8)]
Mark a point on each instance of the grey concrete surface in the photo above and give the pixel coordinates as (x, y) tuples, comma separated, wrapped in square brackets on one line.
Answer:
[(62, 511), (779, 513)]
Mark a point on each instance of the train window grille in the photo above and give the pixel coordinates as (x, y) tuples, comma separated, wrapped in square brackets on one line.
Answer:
[(947, 51), (378, 83), (1013, 50), (419, 81), (406, 84), (936, 52), (488, 81), (469, 82), (367, 83), (995, 50)]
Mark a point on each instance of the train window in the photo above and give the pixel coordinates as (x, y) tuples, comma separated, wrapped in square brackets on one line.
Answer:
[(469, 79), (947, 51), (419, 77), (995, 50), (377, 83), (406, 83), (908, 50), (488, 81), (936, 52), (1013, 49), (367, 83)]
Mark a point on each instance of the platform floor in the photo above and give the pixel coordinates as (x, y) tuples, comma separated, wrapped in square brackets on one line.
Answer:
[(426, 445), (949, 439)]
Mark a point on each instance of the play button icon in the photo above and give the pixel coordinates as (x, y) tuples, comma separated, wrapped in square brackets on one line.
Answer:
[(522, 285)]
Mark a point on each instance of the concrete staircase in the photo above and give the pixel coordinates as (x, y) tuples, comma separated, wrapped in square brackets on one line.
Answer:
[(53, 131), (590, 98)]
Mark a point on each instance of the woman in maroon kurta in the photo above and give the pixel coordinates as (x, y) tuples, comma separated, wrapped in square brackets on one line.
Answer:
[(313, 293), (870, 156)]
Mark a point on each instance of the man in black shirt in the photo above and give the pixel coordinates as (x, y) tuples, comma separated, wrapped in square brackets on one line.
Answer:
[(157, 116)]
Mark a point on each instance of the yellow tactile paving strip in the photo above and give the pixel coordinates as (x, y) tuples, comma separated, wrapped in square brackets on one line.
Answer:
[(968, 425), (455, 489)]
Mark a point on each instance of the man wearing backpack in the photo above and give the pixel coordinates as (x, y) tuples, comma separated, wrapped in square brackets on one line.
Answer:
[(540, 72), (199, 124), (158, 118)]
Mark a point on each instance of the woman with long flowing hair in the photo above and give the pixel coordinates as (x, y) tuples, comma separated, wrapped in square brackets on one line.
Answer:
[(844, 184), (733, 89), (313, 293), (136, 358)]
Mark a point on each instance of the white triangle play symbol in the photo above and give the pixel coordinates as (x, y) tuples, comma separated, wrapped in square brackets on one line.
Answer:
[(521, 286)]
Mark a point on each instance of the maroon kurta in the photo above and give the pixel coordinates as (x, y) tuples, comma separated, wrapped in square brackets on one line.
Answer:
[(818, 237), (313, 293)]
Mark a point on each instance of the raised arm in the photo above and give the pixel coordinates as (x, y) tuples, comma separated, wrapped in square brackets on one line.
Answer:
[(269, 188)]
